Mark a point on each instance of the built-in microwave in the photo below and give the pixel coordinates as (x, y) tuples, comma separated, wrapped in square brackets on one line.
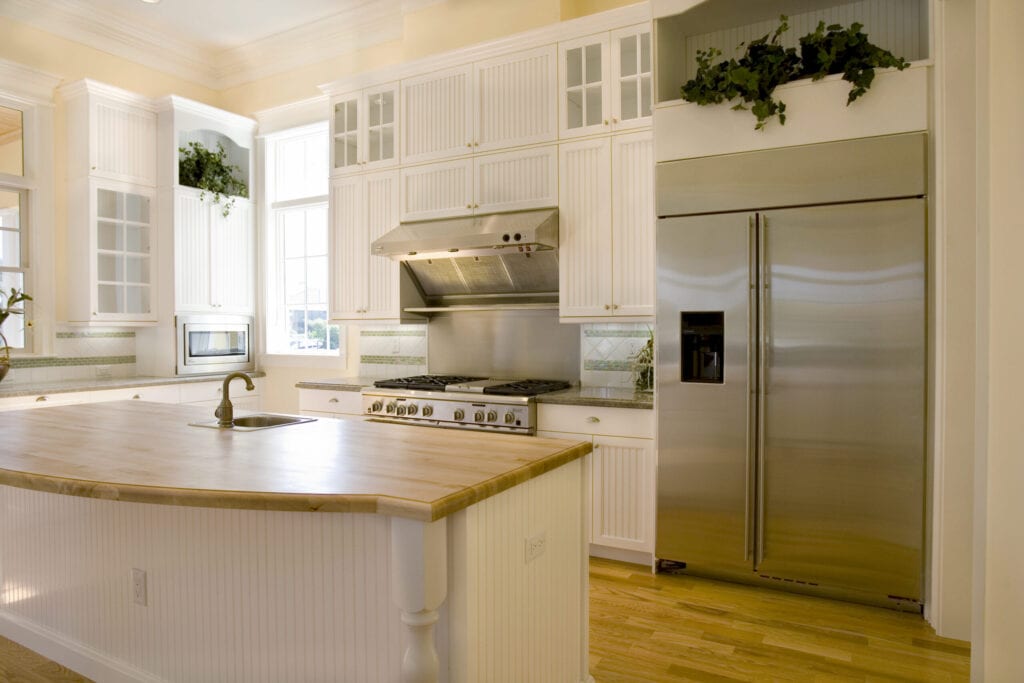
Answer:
[(209, 344)]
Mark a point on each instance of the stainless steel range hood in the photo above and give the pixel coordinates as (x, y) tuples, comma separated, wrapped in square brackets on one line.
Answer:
[(477, 262)]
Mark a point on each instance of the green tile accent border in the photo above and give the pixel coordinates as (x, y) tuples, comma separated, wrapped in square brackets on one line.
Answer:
[(606, 365), (393, 360), (54, 361), (95, 335), (639, 334), (393, 333)]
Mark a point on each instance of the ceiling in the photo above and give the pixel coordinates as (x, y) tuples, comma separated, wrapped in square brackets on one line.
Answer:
[(220, 43)]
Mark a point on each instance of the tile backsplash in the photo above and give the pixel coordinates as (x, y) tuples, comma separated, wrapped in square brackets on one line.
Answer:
[(392, 350), (79, 354), (607, 351)]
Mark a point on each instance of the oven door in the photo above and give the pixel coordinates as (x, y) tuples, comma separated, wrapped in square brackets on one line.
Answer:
[(214, 344)]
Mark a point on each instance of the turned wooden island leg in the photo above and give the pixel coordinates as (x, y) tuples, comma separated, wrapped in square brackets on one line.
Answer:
[(419, 581)]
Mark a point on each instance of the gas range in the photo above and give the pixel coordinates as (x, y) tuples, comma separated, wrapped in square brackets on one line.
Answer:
[(459, 402)]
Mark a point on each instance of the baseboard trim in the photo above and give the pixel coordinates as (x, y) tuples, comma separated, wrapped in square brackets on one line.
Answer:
[(632, 556), (80, 658)]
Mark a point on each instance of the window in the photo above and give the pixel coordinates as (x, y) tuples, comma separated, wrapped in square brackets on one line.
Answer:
[(13, 224), (297, 170)]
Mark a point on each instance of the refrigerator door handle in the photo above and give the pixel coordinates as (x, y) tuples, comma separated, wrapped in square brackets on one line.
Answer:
[(762, 378), (750, 496)]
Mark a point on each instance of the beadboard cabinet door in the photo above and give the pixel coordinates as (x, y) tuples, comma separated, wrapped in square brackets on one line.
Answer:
[(515, 181), (214, 255), (363, 286), (622, 493), (437, 115), (439, 190), (606, 228), (584, 229), (633, 224), (515, 102)]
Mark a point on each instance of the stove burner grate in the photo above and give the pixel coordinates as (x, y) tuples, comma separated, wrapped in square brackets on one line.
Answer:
[(527, 387), (424, 382)]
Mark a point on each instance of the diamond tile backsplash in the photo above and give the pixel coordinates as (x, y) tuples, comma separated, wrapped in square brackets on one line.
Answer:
[(607, 350), (392, 350), (79, 354)]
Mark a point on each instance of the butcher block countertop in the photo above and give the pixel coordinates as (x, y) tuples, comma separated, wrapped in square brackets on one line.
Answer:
[(147, 453)]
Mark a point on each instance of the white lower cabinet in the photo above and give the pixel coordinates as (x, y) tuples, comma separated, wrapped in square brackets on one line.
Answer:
[(195, 393), (323, 403), (210, 393), (621, 473)]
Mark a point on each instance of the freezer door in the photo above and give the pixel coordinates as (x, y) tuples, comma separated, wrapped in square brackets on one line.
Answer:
[(704, 395), (842, 470)]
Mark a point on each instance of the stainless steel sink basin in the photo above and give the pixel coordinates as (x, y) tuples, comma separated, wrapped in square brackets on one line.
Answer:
[(250, 423)]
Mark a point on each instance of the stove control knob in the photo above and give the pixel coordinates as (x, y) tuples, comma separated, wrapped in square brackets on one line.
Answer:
[(428, 411), (376, 407), (510, 417), (478, 416), (400, 410), (460, 414), (391, 407), (412, 409), (492, 416)]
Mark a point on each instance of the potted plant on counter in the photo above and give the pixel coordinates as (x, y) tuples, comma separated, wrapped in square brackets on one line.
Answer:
[(8, 307)]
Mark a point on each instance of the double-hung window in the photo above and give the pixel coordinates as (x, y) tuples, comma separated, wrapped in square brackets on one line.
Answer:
[(296, 186), (13, 219)]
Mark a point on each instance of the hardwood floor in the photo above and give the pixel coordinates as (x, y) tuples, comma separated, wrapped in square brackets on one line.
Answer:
[(678, 628), (646, 628), (20, 665)]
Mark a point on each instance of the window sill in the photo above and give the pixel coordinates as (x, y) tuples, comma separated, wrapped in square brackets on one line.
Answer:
[(302, 360)]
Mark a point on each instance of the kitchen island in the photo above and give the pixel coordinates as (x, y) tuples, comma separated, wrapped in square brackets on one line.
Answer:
[(332, 550)]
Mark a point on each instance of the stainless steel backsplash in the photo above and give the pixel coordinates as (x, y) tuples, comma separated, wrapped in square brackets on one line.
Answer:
[(511, 343)]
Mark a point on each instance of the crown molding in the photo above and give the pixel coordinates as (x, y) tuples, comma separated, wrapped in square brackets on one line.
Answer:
[(294, 114), (110, 92), (29, 86), (527, 40)]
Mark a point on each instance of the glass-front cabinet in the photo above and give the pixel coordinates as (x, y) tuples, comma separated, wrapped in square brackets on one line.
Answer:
[(123, 263), (605, 82), (111, 247), (364, 129)]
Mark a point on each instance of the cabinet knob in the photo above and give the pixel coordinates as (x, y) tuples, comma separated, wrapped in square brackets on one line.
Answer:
[(469, 206), (476, 206), (607, 307), (614, 120), (476, 144), (40, 399), (136, 396), (606, 122), (333, 400), (593, 420), (615, 307), (469, 144)]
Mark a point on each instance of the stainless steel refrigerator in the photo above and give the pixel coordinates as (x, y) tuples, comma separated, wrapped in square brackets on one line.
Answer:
[(791, 365)]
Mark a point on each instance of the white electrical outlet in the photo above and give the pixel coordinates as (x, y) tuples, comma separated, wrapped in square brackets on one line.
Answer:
[(535, 546), (139, 587)]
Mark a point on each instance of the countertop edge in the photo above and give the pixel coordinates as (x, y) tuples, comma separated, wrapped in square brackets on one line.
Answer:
[(16, 390)]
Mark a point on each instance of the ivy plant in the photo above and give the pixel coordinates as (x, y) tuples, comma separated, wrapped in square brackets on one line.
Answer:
[(765, 64), (210, 172)]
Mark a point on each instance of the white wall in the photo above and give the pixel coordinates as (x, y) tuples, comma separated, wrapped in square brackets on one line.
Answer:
[(998, 627)]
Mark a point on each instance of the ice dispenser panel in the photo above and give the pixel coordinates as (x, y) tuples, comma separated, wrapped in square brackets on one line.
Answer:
[(703, 346)]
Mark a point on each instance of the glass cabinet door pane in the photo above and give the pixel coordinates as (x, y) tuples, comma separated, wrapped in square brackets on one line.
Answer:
[(136, 269), (108, 236), (110, 299), (351, 116), (574, 108), (574, 67), (374, 143), (136, 299), (108, 204), (628, 99), (136, 208), (387, 143), (136, 239), (109, 267), (645, 53), (593, 105), (374, 115), (387, 107), (593, 64), (646, 98), (628, 56)]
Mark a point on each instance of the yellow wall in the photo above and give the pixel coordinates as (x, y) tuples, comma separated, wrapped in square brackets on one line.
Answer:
[(11, 157)]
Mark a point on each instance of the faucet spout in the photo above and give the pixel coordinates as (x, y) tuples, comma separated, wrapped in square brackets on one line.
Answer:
[(225, 412)]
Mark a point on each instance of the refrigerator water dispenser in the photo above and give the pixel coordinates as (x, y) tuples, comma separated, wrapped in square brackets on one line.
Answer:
[(703, 346)]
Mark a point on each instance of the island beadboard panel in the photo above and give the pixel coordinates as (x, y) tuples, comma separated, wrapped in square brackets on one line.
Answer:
[(269, 596)]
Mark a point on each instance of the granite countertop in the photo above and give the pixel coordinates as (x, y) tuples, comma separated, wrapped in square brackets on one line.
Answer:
[(606, 397), (12, 389), (602, 397), (321, 466)]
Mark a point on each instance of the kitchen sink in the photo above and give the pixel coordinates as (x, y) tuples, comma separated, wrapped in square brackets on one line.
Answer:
[(250, 423)]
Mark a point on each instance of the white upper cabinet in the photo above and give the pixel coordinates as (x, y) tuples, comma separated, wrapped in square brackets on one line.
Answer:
[(437, 115), (605, 82), (508, 101), (214, 255), (111, 133), (364, 129), (111, 236), (516, 100), (363, 286), (488, 183), (606, 228)]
